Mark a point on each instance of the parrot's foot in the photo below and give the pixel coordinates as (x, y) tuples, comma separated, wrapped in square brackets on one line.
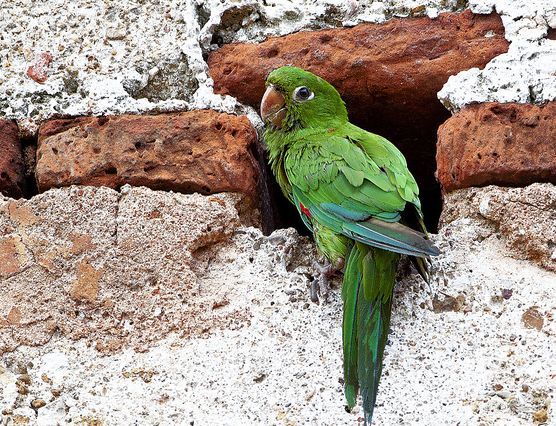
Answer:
[(320, 286)]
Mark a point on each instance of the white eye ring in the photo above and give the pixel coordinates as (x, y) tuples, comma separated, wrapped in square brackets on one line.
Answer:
[(297, 96)]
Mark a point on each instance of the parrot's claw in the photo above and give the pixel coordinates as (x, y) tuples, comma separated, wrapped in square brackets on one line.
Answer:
[(314, 291), (320, 286)]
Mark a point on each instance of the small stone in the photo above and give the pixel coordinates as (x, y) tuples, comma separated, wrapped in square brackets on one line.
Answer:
[(21, 388), (532, 318), (507, 293), (524, 388), (418, 10), (220, 303), (25, 378), (145, 375), (448, 303), (22, 368), (18, 419), (432, 12), (125, 189), (38, 403), (153, 71), (541, 416), (38, 71), (259, 378), (116, 33)]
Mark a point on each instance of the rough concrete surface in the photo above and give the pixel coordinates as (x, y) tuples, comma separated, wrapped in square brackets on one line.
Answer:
[(475, 348), (112, 268), (526, 73), (525, 218), (91, 58)]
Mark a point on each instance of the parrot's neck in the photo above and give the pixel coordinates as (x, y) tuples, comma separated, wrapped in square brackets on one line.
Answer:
[(277, 142)]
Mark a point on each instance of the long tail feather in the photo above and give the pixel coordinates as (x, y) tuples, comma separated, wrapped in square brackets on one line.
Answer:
[(350, 294), (367, 294)]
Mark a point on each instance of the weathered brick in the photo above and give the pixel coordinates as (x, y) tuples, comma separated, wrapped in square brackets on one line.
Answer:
[(196, 151), (499, 144), (12, 170)]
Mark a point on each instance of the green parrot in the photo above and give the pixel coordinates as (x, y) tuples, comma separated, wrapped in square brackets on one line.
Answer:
[(353, 190)]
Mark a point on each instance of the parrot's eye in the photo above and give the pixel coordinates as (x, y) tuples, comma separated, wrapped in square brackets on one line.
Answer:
[(303, 94)]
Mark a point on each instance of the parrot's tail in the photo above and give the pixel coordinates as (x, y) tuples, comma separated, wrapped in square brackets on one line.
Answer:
[(367, 293)]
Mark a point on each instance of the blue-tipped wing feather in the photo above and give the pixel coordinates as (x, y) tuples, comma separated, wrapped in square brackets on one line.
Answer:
[(391, 236), (375, 232)]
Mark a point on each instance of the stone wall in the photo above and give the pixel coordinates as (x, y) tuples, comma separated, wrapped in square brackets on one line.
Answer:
[(142, 275)]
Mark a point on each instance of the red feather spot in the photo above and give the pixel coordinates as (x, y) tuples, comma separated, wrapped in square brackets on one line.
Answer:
[(304, 210)]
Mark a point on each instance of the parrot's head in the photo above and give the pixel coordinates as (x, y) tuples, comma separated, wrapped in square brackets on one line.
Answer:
[(297, 99)]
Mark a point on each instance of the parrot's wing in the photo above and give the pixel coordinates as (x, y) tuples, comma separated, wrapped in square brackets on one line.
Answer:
[(338, 184), (390, 160)]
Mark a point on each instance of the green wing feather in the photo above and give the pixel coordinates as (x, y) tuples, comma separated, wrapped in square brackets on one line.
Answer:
[(358, 194)]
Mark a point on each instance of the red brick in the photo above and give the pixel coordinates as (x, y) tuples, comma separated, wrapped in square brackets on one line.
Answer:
[(12, 169), (500, 144), (196, 151)]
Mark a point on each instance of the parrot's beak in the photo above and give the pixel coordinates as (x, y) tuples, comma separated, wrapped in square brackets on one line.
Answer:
[(273, 107)]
